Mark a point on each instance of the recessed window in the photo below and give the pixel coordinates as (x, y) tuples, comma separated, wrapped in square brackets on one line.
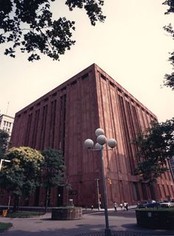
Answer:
[(54, 94), (119, 90), (112, 84), (74, 82), (46, 99), (85, 76), (64, 88), (103, 77)]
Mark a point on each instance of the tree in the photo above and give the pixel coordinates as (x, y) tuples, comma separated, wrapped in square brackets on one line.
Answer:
[(21, 176), (156, 147), (169, 78), (170, 4), (4, 137), (29, 26), (53, 171)]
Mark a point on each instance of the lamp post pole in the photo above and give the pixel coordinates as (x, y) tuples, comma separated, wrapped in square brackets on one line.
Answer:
[(107, 229), (98, 193), (101, 140)]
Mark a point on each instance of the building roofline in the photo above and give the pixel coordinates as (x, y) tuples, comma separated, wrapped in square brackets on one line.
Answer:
[(6, 116), (69, 81), (95, 67)]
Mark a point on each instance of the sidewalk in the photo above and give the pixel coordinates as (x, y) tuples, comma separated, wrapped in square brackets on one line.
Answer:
[(122, 223)]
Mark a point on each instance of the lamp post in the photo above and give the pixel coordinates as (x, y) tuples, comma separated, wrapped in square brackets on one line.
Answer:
[(89, 144), (98, 194), (3, 160)]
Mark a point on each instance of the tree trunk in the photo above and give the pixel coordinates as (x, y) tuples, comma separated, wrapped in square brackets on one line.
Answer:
[(47, 195), (16, 203)]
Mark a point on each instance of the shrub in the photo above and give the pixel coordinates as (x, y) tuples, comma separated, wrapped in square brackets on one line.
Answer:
[(4, 226), (155, 218)]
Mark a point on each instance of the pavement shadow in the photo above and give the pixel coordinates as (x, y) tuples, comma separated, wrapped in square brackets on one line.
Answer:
[(80, 229), (127, 214)]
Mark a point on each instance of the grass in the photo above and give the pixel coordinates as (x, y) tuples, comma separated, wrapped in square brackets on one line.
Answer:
[(65, 207), (18, 214), (4, 226), (24, 214)]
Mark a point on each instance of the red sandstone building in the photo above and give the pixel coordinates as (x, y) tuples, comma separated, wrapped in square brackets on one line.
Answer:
[(69, 114)]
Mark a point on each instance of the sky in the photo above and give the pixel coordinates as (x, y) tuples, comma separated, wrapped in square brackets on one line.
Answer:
[(131, 46)]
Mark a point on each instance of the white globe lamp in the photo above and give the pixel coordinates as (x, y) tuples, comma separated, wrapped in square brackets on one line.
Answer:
[(99, 131), (112, 143), (98, 146), (89, 143), (101, 139)]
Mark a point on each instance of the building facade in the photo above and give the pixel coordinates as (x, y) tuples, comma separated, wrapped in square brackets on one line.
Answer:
[(6, 123), (68, 115)]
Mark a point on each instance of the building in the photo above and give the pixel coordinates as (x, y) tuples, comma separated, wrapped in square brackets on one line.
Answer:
[(66, 116), (6, 123), (171, 165)]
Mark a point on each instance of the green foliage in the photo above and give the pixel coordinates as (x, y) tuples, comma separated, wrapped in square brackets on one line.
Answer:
[(4, 136), (24, 214), (53, 168), (5, 226), (92, 8), (162, 209), (21, 176), (170, 4), (156, 146), (169, 78), (155, 218), (29, 26)]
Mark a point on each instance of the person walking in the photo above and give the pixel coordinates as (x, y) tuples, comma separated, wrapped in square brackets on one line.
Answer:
[(126, 206), (115, 206), (121, 206)]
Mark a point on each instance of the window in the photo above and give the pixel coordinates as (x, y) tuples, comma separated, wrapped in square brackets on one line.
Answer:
[(64, 88), (112, 84), (54, 94), (103, 77), (74, 82), (85, 76)]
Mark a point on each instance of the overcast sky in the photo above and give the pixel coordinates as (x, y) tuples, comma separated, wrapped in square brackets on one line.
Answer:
[(131, 46)]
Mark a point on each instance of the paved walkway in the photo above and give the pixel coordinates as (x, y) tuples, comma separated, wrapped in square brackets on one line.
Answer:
[(121, 223)]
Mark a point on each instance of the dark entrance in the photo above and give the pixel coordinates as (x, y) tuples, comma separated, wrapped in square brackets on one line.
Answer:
[(60, 196)]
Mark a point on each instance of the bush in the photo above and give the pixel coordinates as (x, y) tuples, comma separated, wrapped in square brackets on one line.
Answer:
[(155, 218), (24, 214), (4, 226)]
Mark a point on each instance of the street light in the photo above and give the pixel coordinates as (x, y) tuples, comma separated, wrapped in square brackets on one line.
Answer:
[(3, 160), (98, 194), (89, 144)]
